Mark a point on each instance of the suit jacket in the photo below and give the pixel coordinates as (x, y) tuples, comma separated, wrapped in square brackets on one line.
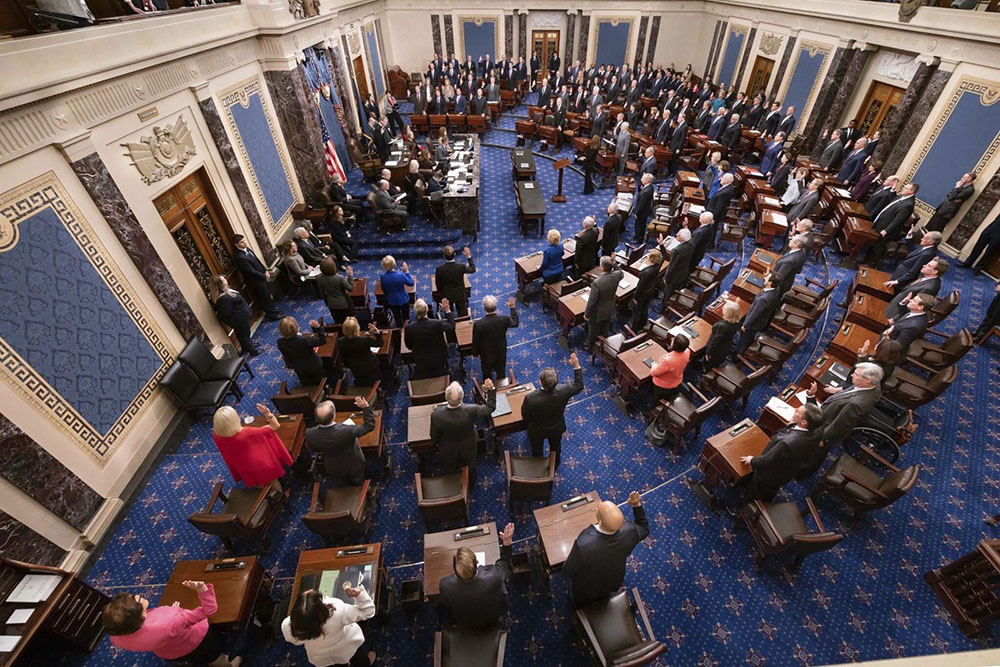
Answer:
[(426, 338), (849, 135), (908, 270), (701, 239), (754, 116), (601, 302), (879, 199), (450, 279), (453, 430), (703, 120), (769, 124), (843, 411), (648, 282), (715, 128), (232, 309), (731, 135), (832, 154), (781, 461), (648, 166), (918, 286), (893, 218), (679, 137), (679, 266), (339, 445), (719, 203), (251, 267), (762, 310), (310, 253), (803, 206), (544, 411), (789, 265), (852, 166), (949, 207), (612, 233), (663, 133), (489, 336), (480, 601), (720, 343), (585, 257), (622, 144), (545, 97), (299, 352), (596, 563), (909, 328), (599, 125), (786, 125)]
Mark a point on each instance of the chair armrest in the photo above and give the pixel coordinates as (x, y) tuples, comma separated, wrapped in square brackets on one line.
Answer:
[(764, 342), (671, 408), (848, 476), (317, 393), (216, 495), (899, 378), (641, 608), (263, 497), (748, 364), (783, 330), (694, 390), (362, 498), (628, 332), (337, 389), (687, 318), (315, 498), (767, 519), (938, 333), (815, 514), (715, 261), (872, 453), (814, 283), (675, 313)]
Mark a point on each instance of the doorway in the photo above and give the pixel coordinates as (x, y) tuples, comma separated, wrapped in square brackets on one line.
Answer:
[(202, 233), (878, 108), (359, 77), (545, 43), (760, 75)]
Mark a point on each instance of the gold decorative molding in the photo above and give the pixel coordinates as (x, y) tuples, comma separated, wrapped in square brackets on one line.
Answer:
[(736, 30), (163, 154), (614, 21), (770, 43), (479, 21)]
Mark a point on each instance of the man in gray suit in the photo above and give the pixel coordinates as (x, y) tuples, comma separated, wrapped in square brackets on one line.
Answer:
[(343, 459), (833, 152), (622, 145), (386, 203), (679, 264), (601, 302), (804, 205), (928, 282), (790, 264), (453, 428), (845, 409)]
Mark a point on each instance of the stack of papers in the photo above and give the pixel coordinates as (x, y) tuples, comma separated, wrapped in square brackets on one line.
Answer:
[(696, 209), (20, 616), (34, 588), (528, 185), (779, 219), (783, 410)]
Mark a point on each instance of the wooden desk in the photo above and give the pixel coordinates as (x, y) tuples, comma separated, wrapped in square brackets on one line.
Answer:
[(569, 311), (703, 329), (236, 591), (855, 234), (437, 295), (529, 268), (411, 290), (744, 286), (871, 281), (687, 179), (758, 187), (291, 431), (462, 337), (775, 415), (820, 372), (720, 459), (762, 260), (633, 368), (559, 528), (773, 224), (530, 205), (626, 286), (317, 561), (868, 311), (523, 164), (418, 428), (327, 352), (767, 202), (848, 339), (440, 549), (635, 268), (693, 195), (359, 293), (713, 312)]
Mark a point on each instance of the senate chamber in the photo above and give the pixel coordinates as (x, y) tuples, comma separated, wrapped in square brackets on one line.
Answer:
[(377, 332)]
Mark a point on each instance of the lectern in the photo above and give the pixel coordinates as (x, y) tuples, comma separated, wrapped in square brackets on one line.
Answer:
[(559, 165)]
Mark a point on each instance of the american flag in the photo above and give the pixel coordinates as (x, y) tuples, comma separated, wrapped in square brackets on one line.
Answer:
[(333, 165)]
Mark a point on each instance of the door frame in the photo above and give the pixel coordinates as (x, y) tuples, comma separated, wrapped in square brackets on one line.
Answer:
[(875, 92), (359, 76), (770, 72), (544, 55)]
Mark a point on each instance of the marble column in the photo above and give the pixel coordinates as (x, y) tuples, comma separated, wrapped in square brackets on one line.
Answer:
[(786, 57), (842, 97), (522, 36), (581, 51), (435, 33), (976, 215), (654, 34), (300, 127), (508, 35), (746, 57), (915, 89), (41, 477), (449, 37), (570, 33), (835, 74), (110, 201), (19, 542), (914, 123), (237, 177), (713, 54), (640, 44)]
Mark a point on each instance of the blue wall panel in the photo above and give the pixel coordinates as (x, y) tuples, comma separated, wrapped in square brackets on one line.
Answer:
[(612, 43), (733, 48), (969, 131), (479, 39), (376, 62), (803, 78), (59, 315), (263, 155)]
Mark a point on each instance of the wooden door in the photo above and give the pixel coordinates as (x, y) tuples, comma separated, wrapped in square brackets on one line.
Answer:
[(878, 108), (359, 76), (204, 236), (545, 43), (760, 76)]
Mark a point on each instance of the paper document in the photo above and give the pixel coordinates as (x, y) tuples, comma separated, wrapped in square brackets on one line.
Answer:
[(696, 209), (315, 272), (481, 558), (20, 616), (529, 186), (8, 642), (779, 219), (585, 294), (375, 348), (328, 582), (803, 396), (783, 410), (348, 422), (34, 588)]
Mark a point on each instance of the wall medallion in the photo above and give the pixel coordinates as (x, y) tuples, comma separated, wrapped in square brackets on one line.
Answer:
[(164, 154)]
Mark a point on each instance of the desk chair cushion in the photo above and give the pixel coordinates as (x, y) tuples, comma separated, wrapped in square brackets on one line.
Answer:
[(529, 467), (442, 486), (241, 502), (205, 365), (899, 482), (470, 647), (341, 499), (731, 372), (846, 462), (684, 406), (613, 624), (426, 386), (787, 519)]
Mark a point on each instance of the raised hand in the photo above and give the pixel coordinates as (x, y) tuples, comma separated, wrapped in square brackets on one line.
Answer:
[(360, 402), (574, 361), (488, 385), (198, 586), (406, 267), (467, 252), (314, 324), (634, 499), (263, 409), (507, 535), (511, 302), (446, 305)]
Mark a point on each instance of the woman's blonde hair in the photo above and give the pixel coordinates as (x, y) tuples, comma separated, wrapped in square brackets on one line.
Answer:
[(388, 263), (225, 422), (414, 166), (288, 327), (217, 286), (350, 328), (731, 312), (553, 236)]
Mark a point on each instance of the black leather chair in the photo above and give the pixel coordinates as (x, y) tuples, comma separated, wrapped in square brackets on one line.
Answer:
[(861, 488), (779, 528), (529, 478), (245, 513), (345, 511), (194, 394), (443, 498), (455, 647), (610, 632), (200, 359)]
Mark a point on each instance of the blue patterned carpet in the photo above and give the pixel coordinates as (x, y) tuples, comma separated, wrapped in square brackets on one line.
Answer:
[(864, 600)]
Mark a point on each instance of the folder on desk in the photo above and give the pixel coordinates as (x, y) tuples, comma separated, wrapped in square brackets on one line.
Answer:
[(755, 280), (503, 407)]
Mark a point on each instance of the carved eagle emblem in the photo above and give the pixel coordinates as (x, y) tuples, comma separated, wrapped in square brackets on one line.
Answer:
[(163, 154)]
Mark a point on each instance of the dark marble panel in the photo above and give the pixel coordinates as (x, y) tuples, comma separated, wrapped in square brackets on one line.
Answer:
[(568, 48), (746, 56), (827, 91), (915, 89), (436, 34), (917, 117), (344, 91), (581, 51), (654, 34), (300, 127), (19, 542), (33, 470), (237, 177), (508, 35), (786, 57), (976, 215), (449, 36), (713, 52), (522, 37), (640, 45), (110, 201)]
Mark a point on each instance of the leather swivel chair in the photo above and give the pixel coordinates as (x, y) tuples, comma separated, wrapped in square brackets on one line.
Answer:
[(427, 391), (731, 382), (194, 394), (929, 356), (245, 513), (443, 498), (682, 415), (529, 478), (610, 631), (780, 528), (457, 647), (342, 512), (861, 488)]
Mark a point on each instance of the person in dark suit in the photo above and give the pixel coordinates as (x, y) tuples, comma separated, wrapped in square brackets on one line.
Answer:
[(833, 152), (731, 134), (928, 282), (489, 337), (952, 202), (600, 122), (553, 62), (720, 342), (649, 162), (311, 254), (255, 275), (453, 428), (701, 238), (882, 196), (911, 326), (718, 204), (233, 311), (299, 353), (787, 123), (426, 338), (601, 302), (790, 264), (646, 288), (758, 318), (678, 266), (544, 95), (535, 64), (986, 246), (990, 319), (891, 222), (612, 230), (335, 193), (585, 257), (770, 121), (450, 279), (544, 409), (908, 269), (704, 119), (846, 408), (356, 352), (596, 563), (678, 140), (717, 125), (783, 456), (475, 595), (853, 163), (850, 134), (806, 202), (643, 207), (589, 163), (343, 460)]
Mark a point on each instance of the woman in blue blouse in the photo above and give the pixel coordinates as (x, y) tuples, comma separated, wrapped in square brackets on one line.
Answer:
[(552, 258), (394, 284)]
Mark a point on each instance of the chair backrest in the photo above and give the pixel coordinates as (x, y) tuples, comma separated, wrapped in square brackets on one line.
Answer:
[(703, 411), (941, 380), (198, 358), (531, 488), (944, 307), (571, 286), (222, 525), (811, 543), (458, 647), (296, 402), (958, 343), (829, 289), (753, 379), (899, 482), (181, 381), (427, 391), (610, 626)]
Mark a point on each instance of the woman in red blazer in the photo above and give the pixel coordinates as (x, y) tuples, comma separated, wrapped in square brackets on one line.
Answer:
[(254, 454)]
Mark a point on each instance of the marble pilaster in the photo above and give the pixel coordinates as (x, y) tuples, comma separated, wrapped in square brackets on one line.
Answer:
[(568, 53), (915, 89), (640, 44), (786, 57), (841, 97), (110, 201), (436, 33), (977, 213), (344, 92), (654, 34), (508, 35), (300, 127), (449, 37), (522, 37), (835, 73), (581, 50), (717, 41), (19, 542), (915, 122), (40, 476), (746, 57)]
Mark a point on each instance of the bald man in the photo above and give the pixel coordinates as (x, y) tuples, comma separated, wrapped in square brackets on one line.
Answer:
[(596, 564)]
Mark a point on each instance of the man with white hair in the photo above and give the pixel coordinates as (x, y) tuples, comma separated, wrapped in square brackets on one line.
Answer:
[(453, 428), (679, 264), (643, 207), (310, 253), (718, 204), (649, 164), (791, 263), (622, 144), (585, 257), (601, 302), (426, 338), (612, 230), (386, 203), (339, 444), (489, 337), (701, 238), (847, 407)]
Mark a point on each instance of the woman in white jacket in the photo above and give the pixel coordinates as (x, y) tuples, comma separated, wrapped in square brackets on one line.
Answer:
[(329, 629)]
